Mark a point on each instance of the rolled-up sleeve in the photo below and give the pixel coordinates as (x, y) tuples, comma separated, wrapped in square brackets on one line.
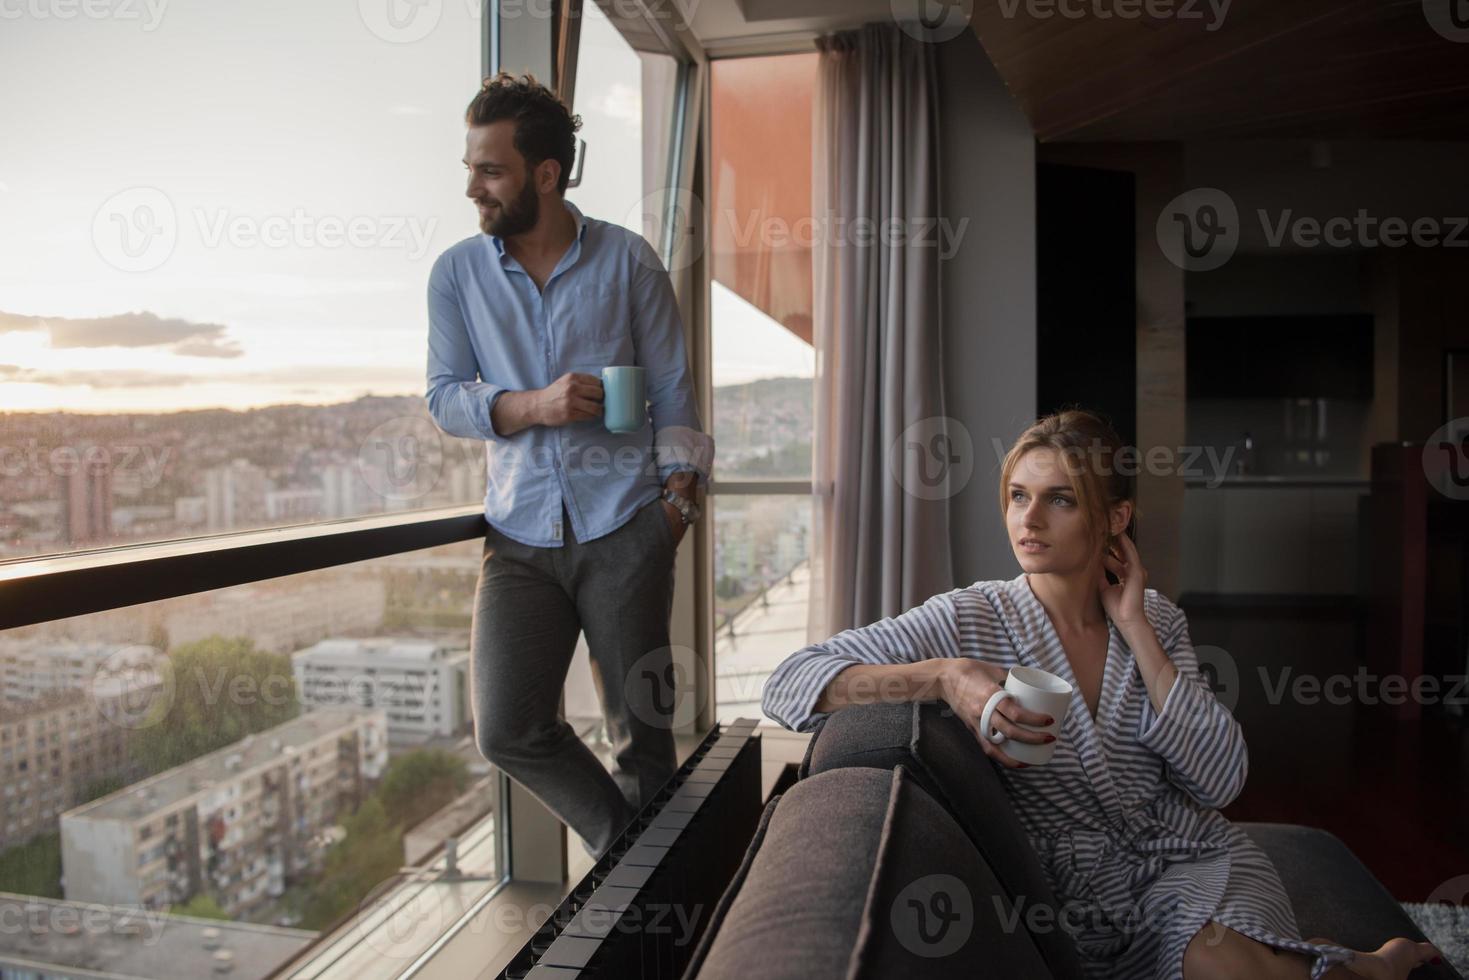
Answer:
[(922, 633), (679, 439), (1196, 736), (459, 400)]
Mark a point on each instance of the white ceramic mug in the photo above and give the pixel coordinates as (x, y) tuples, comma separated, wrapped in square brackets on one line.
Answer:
[(1034, 690)]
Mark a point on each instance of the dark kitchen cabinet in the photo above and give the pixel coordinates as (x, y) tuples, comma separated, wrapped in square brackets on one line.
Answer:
[(1280, 356)]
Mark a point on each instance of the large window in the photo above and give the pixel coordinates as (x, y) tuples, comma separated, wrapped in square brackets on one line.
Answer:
[(218, 222), (269, 754), (212, 320), (761, 240)]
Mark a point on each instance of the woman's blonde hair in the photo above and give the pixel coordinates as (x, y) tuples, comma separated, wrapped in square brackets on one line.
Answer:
[(1089, 448)]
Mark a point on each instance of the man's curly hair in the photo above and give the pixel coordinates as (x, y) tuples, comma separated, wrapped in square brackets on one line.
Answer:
[(545, 128)]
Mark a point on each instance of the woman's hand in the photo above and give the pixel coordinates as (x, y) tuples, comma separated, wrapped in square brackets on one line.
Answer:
[(967, 685), (1123, 602)]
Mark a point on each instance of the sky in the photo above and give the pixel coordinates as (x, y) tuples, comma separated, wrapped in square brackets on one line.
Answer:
[(208, 203)]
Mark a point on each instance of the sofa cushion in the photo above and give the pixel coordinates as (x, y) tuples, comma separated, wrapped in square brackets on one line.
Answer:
[(858, 874), (1333, 894), (944, 758)]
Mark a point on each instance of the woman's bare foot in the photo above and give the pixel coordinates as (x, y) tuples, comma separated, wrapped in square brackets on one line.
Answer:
[(1393, 961)]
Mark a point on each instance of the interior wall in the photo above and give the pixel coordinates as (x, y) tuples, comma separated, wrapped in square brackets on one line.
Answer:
[(1161, 376), (987, 166)]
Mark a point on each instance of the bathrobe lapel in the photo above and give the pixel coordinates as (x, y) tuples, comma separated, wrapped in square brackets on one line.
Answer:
[(1038, 645)]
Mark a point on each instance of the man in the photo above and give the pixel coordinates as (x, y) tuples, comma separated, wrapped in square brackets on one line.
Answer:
[(583, 523)]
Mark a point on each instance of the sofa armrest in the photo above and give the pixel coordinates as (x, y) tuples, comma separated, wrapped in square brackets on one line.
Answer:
[(942, 757), (858, 874)]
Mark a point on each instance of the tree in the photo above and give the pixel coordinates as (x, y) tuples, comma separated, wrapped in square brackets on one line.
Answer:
[(98, 788), (201, 906), (33, 868), (420, 782), (223, 690), (370, 853)]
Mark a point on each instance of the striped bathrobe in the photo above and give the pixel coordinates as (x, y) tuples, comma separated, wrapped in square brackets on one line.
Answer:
[(1125, 817)]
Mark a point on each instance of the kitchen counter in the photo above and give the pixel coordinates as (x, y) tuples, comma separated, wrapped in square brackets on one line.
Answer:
[(1280, 535), (1265, 480)]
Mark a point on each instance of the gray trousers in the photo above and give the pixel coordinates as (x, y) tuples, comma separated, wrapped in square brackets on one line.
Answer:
[(530, 606)]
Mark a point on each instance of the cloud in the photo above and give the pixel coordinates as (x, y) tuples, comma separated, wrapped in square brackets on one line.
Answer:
[(92, 379), (303, 378), (137, 329)]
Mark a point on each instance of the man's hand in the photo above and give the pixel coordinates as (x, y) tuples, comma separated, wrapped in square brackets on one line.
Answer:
[(683, 484), (570, 398), (675, 522)]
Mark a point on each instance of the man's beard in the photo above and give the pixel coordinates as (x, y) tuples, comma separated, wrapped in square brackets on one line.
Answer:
[(517, 218)]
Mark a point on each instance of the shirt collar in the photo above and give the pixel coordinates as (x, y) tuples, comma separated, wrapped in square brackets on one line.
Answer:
[(581, 229)]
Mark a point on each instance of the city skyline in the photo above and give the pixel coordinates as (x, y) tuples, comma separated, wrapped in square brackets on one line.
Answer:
[(263, 238)]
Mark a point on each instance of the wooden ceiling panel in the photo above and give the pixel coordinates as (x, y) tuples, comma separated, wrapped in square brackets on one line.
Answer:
[(1321, 69)]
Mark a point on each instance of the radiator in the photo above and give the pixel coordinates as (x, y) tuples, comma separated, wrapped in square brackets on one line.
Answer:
[(640, 911)]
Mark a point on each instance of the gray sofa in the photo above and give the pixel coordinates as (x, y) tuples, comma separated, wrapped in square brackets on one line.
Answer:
[(896, 853)]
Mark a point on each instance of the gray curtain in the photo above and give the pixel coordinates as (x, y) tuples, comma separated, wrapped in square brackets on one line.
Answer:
[(881, 541)]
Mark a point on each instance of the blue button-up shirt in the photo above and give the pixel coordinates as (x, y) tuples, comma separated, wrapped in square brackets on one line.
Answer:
[(608, 302)]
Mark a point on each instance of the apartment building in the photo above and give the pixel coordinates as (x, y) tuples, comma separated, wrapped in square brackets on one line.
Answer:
[(281, 617), (422, 684), (31, 669), (237, 824), (53, 750), (46, 939)]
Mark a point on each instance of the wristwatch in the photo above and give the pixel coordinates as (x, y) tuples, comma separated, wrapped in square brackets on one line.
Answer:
[(687, 509)]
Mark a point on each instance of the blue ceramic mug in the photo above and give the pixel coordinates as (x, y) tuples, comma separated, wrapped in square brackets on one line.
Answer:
[(624, 398)]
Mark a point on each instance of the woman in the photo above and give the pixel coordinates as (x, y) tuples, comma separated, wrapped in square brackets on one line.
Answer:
[(1153, 881)]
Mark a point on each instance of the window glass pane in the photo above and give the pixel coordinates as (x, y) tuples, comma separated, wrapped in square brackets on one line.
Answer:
[(761, 578), (625, 99), (269, 755), (761, 236), (212, 280)]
